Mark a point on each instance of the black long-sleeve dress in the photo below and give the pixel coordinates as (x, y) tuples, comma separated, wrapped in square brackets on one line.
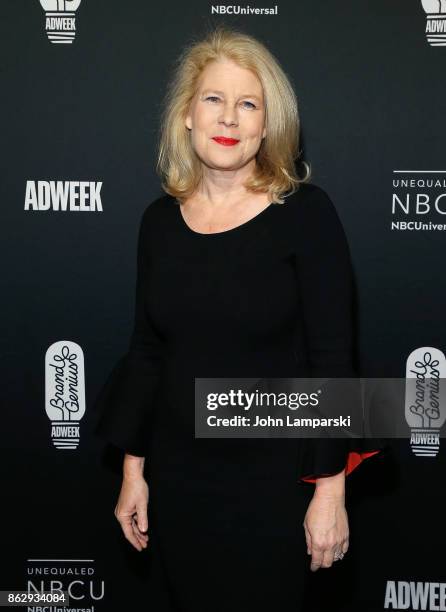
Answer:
[(269, 298)]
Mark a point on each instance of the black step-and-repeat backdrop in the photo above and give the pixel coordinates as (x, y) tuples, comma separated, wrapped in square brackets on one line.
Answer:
[(82, 88)]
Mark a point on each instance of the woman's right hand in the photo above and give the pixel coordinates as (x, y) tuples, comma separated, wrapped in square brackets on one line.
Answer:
[(131, 510)]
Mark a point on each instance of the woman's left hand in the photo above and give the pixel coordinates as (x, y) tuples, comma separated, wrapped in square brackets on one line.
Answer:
[(326, 529)]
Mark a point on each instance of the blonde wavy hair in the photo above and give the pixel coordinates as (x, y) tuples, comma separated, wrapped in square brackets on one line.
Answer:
[(178, 165)]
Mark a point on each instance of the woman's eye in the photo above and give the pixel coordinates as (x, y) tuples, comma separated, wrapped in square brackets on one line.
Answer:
[(217, 99)]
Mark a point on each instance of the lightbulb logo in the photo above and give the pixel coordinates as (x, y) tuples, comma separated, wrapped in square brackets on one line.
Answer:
[(60, 20), (65, 392), (435, 22), (425, 398)]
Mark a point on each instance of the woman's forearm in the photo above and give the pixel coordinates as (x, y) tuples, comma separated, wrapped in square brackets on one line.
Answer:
[(331, 486), (133, 466)]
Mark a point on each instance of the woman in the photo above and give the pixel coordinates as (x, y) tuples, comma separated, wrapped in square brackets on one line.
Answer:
[(243, 271)]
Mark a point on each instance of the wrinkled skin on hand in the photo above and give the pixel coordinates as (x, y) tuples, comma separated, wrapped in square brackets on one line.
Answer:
[(131, 511), (326, 530)]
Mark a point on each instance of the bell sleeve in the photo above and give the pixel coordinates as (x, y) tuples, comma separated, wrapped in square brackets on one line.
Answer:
[(325, 284), (126, 401)]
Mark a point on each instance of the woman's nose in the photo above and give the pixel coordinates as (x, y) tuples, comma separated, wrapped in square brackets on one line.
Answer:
[(229, 116)]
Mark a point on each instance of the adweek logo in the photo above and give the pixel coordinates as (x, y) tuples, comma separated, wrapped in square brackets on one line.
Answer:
[(63, 195), (402, 595), (435, 22), (65, 392), (60, 20)]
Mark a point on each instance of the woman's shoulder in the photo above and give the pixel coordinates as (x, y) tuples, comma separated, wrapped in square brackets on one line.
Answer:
[(311, 199), (311, 206), (157, 211)]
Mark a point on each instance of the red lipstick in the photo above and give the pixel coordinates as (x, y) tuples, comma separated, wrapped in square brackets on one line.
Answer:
[(227, 142)]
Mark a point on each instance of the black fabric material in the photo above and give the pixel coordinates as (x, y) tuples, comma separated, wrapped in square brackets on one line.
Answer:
[(308, 222), (127, 398), (269, 298)]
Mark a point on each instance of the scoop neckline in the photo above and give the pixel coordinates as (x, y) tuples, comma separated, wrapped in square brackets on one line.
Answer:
[(232, 230)]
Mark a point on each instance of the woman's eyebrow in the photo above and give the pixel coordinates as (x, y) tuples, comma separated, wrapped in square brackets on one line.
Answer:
[(217, 91)]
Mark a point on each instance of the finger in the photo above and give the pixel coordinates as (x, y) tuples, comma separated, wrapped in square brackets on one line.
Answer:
[(143, 538), (337, 554), (328, 557), (317, 555), (340, 551), (140, 522), (130, 535), (141, 513)]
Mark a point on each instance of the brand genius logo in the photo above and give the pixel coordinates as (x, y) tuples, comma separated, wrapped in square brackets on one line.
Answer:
[(63, 195), (435, 22), (60, 20), (424, 401), (65, 392)]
